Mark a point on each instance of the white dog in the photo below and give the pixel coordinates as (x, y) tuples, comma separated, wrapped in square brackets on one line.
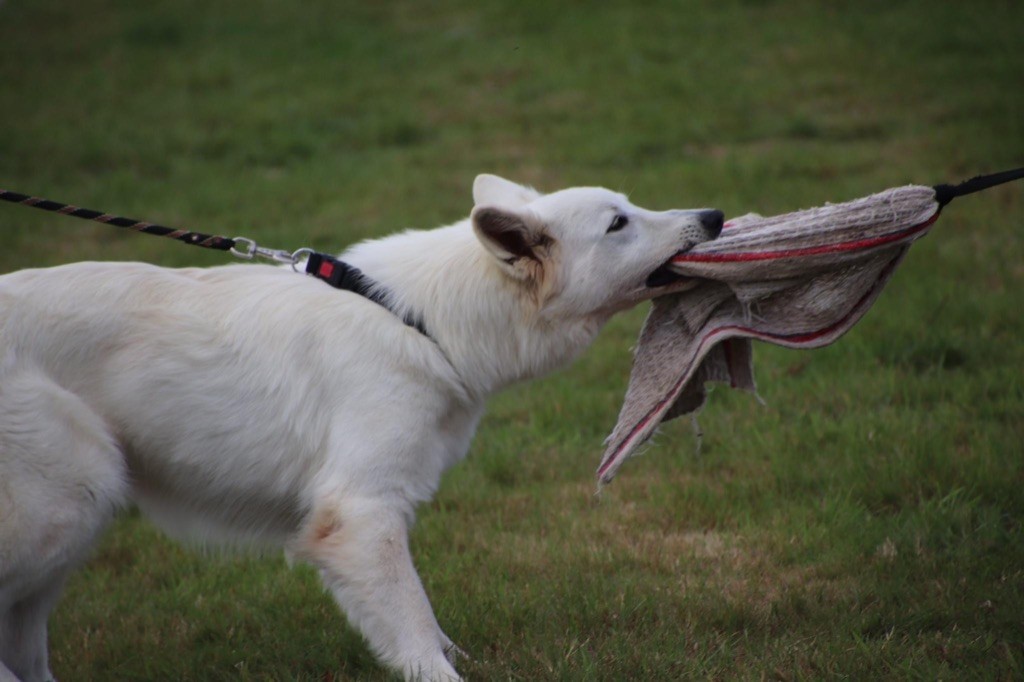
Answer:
[(248, 404)]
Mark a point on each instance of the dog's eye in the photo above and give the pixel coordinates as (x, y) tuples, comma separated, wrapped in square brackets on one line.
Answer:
[(620, 222)]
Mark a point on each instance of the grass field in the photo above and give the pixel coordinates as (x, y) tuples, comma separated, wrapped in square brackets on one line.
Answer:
[(866, 523)]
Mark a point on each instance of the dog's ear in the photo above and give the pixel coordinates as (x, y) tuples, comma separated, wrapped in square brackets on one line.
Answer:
[(517, 240), (490, 190)]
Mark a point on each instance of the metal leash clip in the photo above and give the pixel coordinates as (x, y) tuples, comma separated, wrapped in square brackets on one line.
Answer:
[(248, 249)]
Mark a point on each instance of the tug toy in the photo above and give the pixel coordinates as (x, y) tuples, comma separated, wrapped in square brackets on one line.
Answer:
[(799, 280)]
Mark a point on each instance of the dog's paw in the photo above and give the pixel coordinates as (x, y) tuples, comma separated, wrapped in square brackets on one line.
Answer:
[(455, 653)]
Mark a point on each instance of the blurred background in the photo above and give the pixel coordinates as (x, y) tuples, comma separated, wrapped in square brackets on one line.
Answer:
[(865, 523)]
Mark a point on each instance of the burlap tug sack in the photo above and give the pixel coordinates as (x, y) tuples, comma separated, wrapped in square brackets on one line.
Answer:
[(799, 280)]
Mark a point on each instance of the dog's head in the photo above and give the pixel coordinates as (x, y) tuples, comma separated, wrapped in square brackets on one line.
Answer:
[(585, 251)]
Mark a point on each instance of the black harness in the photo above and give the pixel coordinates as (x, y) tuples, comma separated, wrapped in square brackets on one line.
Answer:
[(341, 275)]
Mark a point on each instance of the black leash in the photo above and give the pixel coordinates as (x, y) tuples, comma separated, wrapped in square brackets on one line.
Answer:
[(324, 267)]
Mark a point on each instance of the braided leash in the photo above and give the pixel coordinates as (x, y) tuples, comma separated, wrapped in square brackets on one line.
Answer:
[(194, 238), (322, 266), (242, 247)]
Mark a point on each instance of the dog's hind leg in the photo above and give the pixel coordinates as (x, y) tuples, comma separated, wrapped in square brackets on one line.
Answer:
[(23, 631), (61, 478), (362, 551)]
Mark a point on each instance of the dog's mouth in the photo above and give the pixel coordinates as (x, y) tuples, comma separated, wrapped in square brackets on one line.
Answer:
[(664, 276), (712, 221)]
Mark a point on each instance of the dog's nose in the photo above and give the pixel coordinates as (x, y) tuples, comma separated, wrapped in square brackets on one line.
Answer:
[(712, 220)]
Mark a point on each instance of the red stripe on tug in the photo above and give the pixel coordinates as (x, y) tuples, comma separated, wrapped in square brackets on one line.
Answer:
[(791, 340), (857, 245)]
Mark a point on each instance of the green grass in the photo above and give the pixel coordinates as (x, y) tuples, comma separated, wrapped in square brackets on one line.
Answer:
[(866, 523)]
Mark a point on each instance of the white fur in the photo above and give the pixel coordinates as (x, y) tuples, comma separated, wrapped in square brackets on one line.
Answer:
[(250, 405)]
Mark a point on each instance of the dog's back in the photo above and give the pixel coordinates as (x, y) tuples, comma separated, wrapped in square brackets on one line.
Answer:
[(221, 386)]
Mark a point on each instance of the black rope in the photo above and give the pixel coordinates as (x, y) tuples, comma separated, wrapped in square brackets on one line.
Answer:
[(946, 193), (194, 238)]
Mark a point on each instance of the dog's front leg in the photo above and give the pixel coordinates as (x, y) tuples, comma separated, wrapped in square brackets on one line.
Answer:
[(362, 551)]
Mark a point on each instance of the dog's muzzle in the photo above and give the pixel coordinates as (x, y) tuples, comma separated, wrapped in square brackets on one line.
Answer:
[(712, 220)]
